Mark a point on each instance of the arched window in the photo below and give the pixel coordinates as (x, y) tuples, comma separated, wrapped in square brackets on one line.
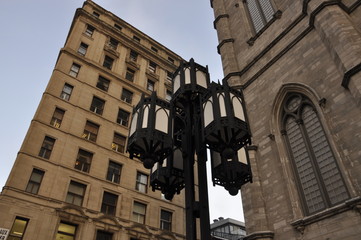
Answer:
[(320, 182), (260, 11)]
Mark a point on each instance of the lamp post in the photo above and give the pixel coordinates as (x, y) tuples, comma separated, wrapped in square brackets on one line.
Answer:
[(171, 137)]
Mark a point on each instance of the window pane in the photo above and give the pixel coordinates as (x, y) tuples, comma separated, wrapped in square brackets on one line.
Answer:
[(103, 83), (256, 15), (123, 117), (46, 147), (97, 105), (18, 229), (102, 235), (57, 117), (113, 173), (127, 96), (66, 232)]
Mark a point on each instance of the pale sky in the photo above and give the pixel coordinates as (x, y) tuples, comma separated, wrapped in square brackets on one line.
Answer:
[(33, 32)]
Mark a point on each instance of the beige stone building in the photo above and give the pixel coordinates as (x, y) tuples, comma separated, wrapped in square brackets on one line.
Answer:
[(72, 178), (298, 64)]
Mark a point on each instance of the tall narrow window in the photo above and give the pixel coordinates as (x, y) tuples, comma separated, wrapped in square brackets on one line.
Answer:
[(168, 95), (47, 147), (74, 70), (150, 85), (261, 12), (109, 203), (118, 27), (66, 231), (133, 55), (139, 210), (102, 235), (66, 92), (90, 131), (320, 182), (108, 62), (57, 117), (18, 229), (97, 105), (129, 75), (113, 173), (152, 66), (118, 144), (113, 43), (75, 193), (136, 38), (169, 76), (89, 30), (103, 83), (82, 49), (165, 220), (127, 96), (123, 117), (35, 181), (142, 182), (83, 160)]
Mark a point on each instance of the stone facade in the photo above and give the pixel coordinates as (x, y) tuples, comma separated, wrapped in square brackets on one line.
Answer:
[(310, 48), (99, 44)]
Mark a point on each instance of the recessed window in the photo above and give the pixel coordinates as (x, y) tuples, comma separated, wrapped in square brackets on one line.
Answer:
[(74, 70), (82, 49), (123, 117), (139, 210), (261, 12), (90, 131), (18, 229), (109, 203), (118, 27), (108, 62), (102, 235), (168, 95), (89, 30), (75, 193), (83, 160), (165, 220), (96, 14), (113, 43), (66, 231), (35, 181), (170, 59), (169, 76), (154, 49), (103, 83), (133, 55), (127, 96), (114, 170), (118, 144), (129, 75), (142, 182), (136, 38), (57, 117), (47, 147), (150, 85), (97, 105), (66, 92), (152, 66)]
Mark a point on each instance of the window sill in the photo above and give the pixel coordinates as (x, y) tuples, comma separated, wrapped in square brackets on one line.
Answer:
[(353, 203)]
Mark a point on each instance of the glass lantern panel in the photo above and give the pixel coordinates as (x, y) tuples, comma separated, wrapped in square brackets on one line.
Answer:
[(133, 125), (145, 116), (242, 156), (178, 159), (187, 76), (155, 167), (176, 83), (222, 105), (216, 159), (208, 111), (161, 119), (237, 107), (201, 79)]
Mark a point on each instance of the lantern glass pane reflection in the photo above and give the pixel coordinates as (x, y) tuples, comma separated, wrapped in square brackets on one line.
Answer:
[(241, 153), (208, 112), (187, 76), (201, 78), (133, 125), (222, 105), (238, 108), (176, 83), (161, 119), (145, 116)]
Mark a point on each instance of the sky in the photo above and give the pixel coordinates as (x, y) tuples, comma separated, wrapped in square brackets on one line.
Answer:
[(33, 32)]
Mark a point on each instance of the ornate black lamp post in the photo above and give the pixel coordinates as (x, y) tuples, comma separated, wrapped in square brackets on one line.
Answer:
[(169, 138)]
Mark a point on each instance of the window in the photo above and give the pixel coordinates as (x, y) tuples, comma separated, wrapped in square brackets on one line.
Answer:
[(133, 56), (123, 117), (90, 131), (83, 160), (261, 12), (141, 182), (114, 170), (103, 83), (66, 231), (318, 175), (46, 147), (82, 49), (66, 93), (118, 144), (127, 96), (109, 203), (75, 193), (113, 43), (102, 235), (154, 49), (18, 229), (152, 66), (74, 70), (97, 105), (165, 220), (139, 212), (169, 76), (117, 26), (170, 59), (57, 117), (89, 30), (108, 62), (150, 85), (168, 95), (35, 181), (129, 75), (136, 38), (96, 14)]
